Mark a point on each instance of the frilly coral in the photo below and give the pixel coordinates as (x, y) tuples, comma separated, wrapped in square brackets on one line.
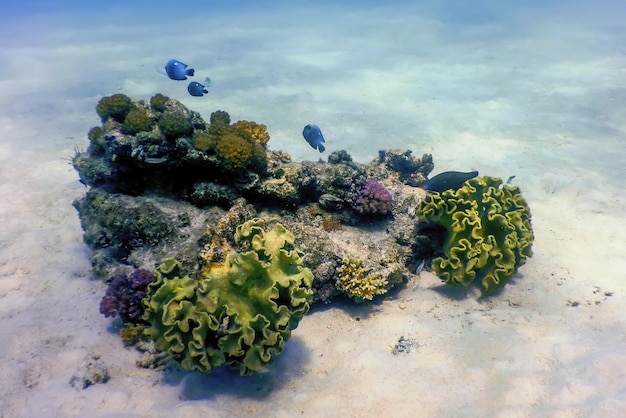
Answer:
[(239, 312), (373, 199), (358, 282), (489, 232)]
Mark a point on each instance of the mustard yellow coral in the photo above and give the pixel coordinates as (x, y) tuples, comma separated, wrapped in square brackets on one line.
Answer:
[(257, 131), (358, 282), (234, 151)]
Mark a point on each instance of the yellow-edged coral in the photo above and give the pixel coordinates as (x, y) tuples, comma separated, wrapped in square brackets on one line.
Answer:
[(358, 282)]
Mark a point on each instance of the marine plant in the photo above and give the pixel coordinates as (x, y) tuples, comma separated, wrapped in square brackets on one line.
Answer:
[(373, 199), (124, 294), (116, 106), (489, 232), (359, 282), (238, 312)]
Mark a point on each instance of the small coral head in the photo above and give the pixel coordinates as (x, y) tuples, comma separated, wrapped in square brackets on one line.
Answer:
[(373, 199)]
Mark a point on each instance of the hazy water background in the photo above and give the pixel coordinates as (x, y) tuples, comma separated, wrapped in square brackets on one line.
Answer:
[(536, 90)]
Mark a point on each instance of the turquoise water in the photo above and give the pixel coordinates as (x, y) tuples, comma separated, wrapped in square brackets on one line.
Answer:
[(535, 90)]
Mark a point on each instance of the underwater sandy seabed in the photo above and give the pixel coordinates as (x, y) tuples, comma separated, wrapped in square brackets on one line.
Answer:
[(528, 96)]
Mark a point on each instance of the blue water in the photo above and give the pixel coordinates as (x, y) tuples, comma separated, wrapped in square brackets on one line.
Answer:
[(535, 89)]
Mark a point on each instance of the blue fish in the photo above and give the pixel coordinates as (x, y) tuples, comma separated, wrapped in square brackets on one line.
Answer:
[(314, 137), (176, 70), (196, 89), (448, 180)]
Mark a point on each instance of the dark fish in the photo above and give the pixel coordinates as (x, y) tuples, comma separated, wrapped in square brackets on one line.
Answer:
[(196, 89), (176, 70), (314, 137), (448, 180)]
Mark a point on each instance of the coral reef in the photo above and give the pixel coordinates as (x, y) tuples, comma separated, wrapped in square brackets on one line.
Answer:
[(220, 214), (124, 294), (238, 312), (489, 232), (127, 232)]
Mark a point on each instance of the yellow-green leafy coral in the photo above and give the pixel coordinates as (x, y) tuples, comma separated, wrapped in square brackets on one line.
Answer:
[(358, 282), (239, 312), (489, 232)]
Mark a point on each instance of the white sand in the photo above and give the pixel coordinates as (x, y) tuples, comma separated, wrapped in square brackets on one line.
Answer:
[(539, 94)]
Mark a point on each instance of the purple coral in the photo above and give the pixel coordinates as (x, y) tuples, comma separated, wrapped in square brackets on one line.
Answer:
[(124, 294), (373, 199)]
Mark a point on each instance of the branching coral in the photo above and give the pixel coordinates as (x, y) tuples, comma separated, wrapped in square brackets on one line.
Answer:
[(373, 199), (358, 282), (489, 232), (239, 312)]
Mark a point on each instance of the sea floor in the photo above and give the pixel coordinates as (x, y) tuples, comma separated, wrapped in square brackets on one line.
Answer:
[(538, 94)]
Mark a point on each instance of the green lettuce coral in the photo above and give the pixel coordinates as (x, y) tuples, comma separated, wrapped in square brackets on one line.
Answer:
[(238, 312), (489, 232)]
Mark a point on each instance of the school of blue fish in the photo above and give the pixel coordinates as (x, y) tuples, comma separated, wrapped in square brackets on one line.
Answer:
[(449, 180), (177, 70)]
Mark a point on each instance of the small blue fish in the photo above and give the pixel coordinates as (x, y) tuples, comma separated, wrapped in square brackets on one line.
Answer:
[(176, 70), (314, 137), (196, 89)]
